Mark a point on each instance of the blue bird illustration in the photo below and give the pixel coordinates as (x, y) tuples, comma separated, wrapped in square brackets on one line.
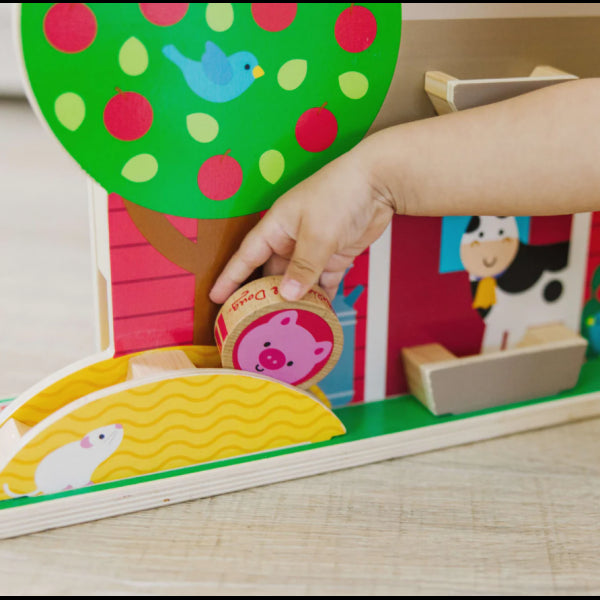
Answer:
[(217, 78)]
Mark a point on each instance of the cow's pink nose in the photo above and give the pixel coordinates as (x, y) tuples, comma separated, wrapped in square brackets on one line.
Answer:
[(271, 358)]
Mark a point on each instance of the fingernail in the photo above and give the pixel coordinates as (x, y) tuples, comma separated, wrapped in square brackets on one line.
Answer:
[(291, 289)]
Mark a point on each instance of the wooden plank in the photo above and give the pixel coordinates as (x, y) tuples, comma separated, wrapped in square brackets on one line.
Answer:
[(450, 94), (547, 362), (98, 504)]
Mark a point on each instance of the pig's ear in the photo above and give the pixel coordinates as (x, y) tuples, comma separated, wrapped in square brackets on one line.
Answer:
[(287, 317), (322, 350)]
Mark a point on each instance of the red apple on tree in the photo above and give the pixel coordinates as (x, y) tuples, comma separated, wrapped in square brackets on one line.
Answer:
[(162, 149), (164, 14), (220, 177), (274, 16), (316, 129), (355, 28), (128, 116), (69, 27)]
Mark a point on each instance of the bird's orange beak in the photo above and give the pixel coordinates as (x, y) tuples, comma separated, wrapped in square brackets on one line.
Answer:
[(257, 72)]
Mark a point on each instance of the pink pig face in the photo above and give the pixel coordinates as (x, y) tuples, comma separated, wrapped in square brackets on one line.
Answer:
[(281, 346)]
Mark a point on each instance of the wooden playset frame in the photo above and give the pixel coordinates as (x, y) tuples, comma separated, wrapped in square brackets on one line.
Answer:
[(378, 429)]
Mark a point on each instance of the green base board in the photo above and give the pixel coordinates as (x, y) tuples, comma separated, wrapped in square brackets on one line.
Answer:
[(362, 421)]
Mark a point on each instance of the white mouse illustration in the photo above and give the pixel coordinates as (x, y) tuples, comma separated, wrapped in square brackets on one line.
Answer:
[(72, 465)]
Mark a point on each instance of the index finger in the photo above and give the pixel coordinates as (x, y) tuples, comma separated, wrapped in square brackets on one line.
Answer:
[(253, 252)]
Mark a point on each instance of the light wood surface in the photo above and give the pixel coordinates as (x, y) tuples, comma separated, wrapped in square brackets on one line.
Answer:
[(449, 94), (517, 515), (546, 362), (153, 364)]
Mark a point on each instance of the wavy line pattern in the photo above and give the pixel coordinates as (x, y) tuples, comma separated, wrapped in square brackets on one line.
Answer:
[(19, 478), (231, 423), (196, 384), (176, 398), (171, 423), (220, 433), (97, 376), (77, 385), (260, 409), (186, 421), (230, 451), (132, 414)]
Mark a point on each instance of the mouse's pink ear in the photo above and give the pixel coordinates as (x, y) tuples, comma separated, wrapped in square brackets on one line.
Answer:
[(85, 442)]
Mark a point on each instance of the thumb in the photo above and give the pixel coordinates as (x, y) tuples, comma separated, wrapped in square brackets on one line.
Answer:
[(309, 259)]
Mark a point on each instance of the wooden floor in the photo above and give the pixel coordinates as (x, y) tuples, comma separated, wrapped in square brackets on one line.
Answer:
[(518, 515)]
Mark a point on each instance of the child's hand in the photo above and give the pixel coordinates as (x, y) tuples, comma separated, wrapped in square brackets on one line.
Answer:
[(314, 231), (531, 155)]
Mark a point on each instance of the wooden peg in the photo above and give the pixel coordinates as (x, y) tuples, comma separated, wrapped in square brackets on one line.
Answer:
[(153, 363)]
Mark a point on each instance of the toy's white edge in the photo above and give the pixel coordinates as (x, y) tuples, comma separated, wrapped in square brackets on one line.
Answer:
[(580, 242), (378, 300), (101, 269), (61, 512)]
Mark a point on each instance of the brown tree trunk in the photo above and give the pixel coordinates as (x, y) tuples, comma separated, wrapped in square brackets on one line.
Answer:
[(217, 241)]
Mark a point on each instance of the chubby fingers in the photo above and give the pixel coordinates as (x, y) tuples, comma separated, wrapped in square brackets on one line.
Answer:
[(254, 251), (302, 250), (329, 280), (310, 257)]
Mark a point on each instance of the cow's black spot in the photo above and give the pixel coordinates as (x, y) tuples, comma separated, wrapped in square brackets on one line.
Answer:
[(530, 263), (553, 290), (474, 224)]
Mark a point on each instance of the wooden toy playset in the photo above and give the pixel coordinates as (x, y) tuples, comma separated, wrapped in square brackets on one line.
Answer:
[(190, 121)]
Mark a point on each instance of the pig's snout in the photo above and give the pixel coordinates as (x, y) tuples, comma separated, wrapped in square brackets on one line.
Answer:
[(271, 358)]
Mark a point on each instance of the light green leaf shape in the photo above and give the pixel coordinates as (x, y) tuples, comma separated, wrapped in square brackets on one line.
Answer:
[(70, 110), (292, 74), (140, 168), (202, 127), (219, 16), (353, 84), (271, 165), (133, 57)]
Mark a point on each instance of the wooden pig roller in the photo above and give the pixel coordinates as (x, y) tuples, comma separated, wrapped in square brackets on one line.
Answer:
[(294, 342)]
